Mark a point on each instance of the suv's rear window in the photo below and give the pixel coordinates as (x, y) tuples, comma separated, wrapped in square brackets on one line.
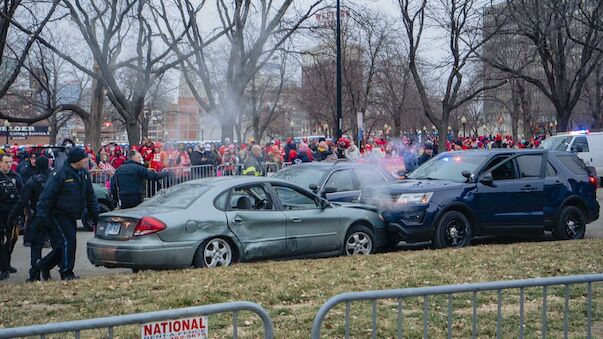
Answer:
[(572, 163)]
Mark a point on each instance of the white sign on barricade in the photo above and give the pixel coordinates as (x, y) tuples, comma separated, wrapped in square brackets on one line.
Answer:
[(195, 327)]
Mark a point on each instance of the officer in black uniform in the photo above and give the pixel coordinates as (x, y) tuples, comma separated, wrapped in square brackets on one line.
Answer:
[(10, 188), (28, 200), (128, 182), (68, 192)]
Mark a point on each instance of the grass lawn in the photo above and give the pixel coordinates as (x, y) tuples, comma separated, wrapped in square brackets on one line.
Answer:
[(292, 292)]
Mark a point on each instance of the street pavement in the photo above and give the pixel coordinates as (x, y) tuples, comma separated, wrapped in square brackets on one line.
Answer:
[(84, 268)]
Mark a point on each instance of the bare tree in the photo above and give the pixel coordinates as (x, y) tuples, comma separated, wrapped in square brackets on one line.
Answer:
[(396, 96), (463, 24), (264, 97), (15, 46), (562, 51), (255, 31)]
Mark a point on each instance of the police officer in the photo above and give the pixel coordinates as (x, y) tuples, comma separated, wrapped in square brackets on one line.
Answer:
[(128, 182), (10, 188), (27, 171), (28, 199), (68, 192)]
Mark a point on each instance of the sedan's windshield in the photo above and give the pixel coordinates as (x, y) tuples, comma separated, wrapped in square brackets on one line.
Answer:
[(302, 176), (556, 143), (179, 196), (448, 167)]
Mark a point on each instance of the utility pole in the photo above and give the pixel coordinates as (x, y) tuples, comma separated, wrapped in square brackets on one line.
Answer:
[(338, 71)]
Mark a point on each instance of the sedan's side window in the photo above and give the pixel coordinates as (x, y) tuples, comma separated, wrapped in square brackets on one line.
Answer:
[(342, 180), (294, 200), (252, 197), (505, 171)]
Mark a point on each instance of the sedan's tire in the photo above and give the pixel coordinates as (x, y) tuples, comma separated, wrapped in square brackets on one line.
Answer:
[(571, 224), (452, 230), (88, 224), (214, 252), (359, 240)]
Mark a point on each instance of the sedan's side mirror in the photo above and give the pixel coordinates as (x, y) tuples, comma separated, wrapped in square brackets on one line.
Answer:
[(324, 204), (487, 179), (313, 188)]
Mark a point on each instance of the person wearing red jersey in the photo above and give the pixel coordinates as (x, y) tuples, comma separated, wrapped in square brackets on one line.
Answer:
[(159, 158)]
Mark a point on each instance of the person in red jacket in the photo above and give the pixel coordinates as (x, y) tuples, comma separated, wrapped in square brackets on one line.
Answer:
[(118, 158)]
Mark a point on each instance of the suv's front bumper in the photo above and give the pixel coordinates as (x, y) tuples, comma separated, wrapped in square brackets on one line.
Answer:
[(414, 223)]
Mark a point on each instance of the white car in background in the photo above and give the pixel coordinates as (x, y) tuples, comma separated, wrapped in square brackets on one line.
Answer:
[(587, 146)]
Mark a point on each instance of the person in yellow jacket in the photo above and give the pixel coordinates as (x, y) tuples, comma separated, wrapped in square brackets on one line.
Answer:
[(253, 163)]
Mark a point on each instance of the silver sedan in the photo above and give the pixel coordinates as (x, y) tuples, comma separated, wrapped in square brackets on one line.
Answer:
[(218, 221)]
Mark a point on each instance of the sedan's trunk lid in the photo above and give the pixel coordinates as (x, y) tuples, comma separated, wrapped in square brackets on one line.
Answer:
[(120, 225)]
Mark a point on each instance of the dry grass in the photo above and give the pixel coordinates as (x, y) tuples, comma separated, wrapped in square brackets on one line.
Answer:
[(292, 292)]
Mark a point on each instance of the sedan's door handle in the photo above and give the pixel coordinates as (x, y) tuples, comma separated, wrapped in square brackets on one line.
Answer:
[(295, 219), (528, 188), (238, 220)]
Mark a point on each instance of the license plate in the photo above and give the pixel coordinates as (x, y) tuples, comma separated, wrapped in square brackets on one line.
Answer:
[(113, 228)]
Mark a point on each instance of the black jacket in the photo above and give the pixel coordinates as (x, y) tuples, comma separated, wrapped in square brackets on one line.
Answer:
[(31, 193), (424, 158), (10, 189), (27, 171), (129, 179), (67, 192), (196, 158)]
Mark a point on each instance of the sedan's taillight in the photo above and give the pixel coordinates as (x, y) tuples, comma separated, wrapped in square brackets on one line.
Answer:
[(149, 225)]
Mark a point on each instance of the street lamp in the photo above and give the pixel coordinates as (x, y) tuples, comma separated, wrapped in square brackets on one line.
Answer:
[(464, 122), (291, 125), (7, 128)]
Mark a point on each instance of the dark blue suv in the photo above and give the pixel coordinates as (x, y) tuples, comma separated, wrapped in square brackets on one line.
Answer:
[(458, 195)]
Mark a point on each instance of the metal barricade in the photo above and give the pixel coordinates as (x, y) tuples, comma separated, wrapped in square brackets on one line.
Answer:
[(425, 292), (286, 164), (101, 177), (270, 168), (229, 170), (140, 318)]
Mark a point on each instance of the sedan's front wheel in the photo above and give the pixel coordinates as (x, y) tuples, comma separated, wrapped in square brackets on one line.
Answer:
[(213, 253), (359, 240), (453, 230)]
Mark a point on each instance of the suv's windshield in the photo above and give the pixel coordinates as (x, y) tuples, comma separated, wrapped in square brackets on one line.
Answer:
[(556, 143), (448, 167), (302, 176), (179, 196)]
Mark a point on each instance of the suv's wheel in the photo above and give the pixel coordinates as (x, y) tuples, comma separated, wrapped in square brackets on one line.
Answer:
[(88, 224), (359, 240), (214, 252), (571, 224), (392, 241), (453, 230)]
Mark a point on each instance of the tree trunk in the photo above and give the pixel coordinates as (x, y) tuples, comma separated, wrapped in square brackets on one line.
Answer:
[(53, 133), (563, 117), (443, 132), (133, 130), (92, 125)]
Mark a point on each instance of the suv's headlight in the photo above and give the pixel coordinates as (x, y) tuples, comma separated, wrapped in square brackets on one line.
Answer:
[(415, 198)]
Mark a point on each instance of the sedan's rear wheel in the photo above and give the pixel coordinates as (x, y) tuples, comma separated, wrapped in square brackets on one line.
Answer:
[(453, 230), (215, 252), (359, 240)]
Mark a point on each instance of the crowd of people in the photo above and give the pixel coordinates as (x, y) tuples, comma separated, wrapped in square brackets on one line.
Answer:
[(51, 202), (234, 158)]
